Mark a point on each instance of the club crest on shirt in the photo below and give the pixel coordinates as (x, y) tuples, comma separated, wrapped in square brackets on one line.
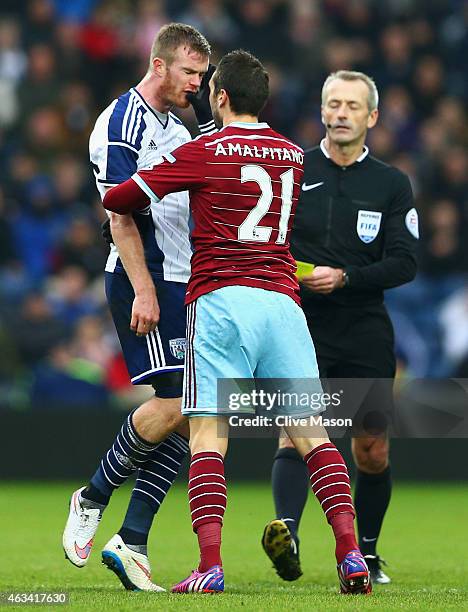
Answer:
[(368, 225), (177, 347)]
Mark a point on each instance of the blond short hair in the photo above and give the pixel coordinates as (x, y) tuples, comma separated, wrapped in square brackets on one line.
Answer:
[(173, 35), (352, 75)]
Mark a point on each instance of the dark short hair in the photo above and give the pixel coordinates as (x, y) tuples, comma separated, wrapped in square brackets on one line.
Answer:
[(173, 35), (245, 81)]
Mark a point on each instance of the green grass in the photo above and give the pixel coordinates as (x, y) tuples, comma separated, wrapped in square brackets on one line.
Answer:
[(424, 540)]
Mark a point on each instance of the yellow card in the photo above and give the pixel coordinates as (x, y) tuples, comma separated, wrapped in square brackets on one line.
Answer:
[(303, 269)]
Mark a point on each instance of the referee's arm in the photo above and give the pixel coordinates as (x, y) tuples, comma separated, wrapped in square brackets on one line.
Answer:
[(398, 265)]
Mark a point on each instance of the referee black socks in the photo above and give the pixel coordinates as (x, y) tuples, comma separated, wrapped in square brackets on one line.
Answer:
[(290, 481), (371, 499)]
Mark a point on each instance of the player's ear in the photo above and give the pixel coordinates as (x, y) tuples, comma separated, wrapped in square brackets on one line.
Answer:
[(372, 119), (222, 98), (159, 66)]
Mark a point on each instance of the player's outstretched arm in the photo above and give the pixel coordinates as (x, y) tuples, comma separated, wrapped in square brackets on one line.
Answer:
[(125, 198), (177, 171)]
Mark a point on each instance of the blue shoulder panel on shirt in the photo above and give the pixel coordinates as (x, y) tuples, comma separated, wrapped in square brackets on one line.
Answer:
[(125, 133)]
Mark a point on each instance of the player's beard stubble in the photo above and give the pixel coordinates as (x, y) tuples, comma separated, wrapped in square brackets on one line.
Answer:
[(173, 94), (216, 116)]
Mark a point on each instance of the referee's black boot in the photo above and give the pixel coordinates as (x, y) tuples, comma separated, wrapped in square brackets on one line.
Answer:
[(282, 549)]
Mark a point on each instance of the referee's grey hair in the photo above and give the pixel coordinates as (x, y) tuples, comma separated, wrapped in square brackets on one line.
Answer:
[(352, 75)]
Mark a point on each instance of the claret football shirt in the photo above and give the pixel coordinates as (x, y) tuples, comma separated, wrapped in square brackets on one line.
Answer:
[(243, 184)]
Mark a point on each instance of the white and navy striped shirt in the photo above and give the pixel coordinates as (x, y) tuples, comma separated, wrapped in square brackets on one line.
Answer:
[(129, 136)]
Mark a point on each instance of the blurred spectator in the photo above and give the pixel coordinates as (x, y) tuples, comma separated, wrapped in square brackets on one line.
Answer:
[(396, 64), (454, 321), (452, 116), (77, 115), (308, 132), (76, 11), (397, 115), (15, 283), (82, 248), (45, 136), (73, 191), (150, 17), (13, 60), (36, 228), (12, 68), (36, 330), (263, 30), (453, 179), (67, 47), (382, 142), (39, 22), (308, 31), (89, 343), (7, 252), (338, 55), (99, 39), (66, 383), (444, 250), (41, 87), (417, 308), (70, 297), (422, 36), (213, 20), (427, 84)]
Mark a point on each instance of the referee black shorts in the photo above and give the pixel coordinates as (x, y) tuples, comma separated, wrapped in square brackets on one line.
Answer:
[(355, 354)]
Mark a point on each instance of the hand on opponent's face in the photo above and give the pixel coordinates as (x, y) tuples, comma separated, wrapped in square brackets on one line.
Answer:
[(201, 100)]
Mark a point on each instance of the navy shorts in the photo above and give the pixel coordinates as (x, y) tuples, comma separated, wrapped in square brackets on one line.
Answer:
[(160, 351)]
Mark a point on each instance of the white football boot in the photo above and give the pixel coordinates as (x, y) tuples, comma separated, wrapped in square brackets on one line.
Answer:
[(78, 536), (132, 568)]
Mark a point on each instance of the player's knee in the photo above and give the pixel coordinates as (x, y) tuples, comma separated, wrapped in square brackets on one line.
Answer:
[(157, 418), (173, 418), (166, 401), (372, 457), (284, 441)]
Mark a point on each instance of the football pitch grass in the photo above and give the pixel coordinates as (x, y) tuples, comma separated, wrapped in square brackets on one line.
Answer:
[(424, 541)]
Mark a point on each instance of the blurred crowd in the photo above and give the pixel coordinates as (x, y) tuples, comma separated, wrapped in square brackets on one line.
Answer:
[(62, 62)]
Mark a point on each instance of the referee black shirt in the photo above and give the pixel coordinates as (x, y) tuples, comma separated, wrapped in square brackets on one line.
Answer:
[(360, 218)]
